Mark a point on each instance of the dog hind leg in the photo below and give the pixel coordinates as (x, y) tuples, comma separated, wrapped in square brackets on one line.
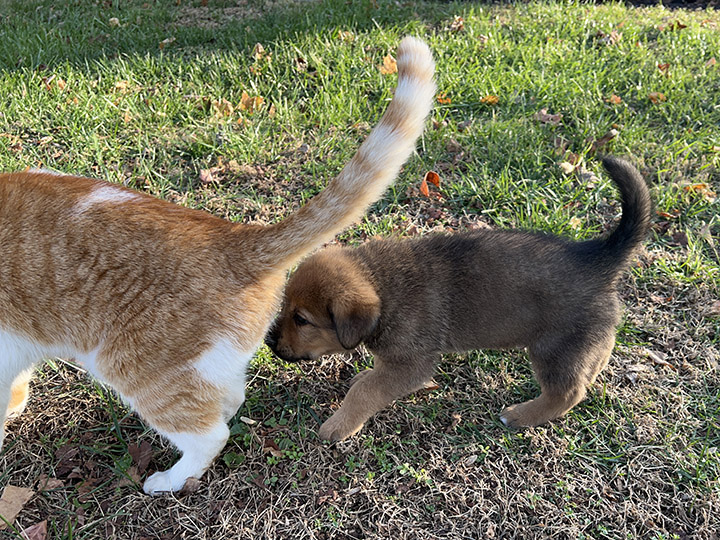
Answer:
[(564, 371)]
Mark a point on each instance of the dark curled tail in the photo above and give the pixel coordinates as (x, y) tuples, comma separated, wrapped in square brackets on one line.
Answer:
[(636, 210)]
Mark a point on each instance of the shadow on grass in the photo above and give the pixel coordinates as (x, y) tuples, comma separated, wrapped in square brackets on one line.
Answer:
[(43, 34)]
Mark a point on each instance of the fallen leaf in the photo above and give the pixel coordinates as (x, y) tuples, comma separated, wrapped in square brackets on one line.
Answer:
[(674, 25), (673, 214), (543, 116), (12, 501), (45, 483), (388, 66), (442, 98), (613, 38), (250, 104), (346, 35), (470, 460), (602, 141), (433, 178), (114, 21), (680, 238), (458, 24), (258, 52), (141, 455), (664, 67), (35, 532), (424, 189), (656, 97), (711, 62), (223, 107), (248, 421), (659, 358), (566, 167), (615, 100), (206, 176), (272, 448), (703, 190), (575, 223), (165, 42), (490, 100)]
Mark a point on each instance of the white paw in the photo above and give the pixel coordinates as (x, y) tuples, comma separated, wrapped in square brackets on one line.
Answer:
[(504, 421), (163, 482)]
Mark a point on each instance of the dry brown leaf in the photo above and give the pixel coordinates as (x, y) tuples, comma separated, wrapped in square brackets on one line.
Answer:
[(424, 189), (223, 107), (388, 66), (141, 454), (674, 25), (657, 97), (458, 24), (35, 532), (346, 35), (258, 52), (711, 62), (250, 104), (206, 176), (490, 100), (615, 100), (433, 178), (543, 116), (12, 501), (664, 67), (602, 141), (659, 358), (165, 42), (703, 190), (442, 98)]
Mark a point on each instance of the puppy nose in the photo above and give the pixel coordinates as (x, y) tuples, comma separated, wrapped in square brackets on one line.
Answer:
[(271, 339)]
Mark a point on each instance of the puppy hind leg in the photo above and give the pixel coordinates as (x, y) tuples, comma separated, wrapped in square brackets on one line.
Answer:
[(564, 371), (373, 390)]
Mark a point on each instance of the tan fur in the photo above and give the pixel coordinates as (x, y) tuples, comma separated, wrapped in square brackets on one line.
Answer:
[(410, 301), (165, 303)]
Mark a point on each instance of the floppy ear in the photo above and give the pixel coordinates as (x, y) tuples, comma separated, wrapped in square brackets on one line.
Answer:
[(355, 316)]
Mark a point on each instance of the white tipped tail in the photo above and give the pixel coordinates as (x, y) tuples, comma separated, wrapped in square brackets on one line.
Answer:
[(368, 174)]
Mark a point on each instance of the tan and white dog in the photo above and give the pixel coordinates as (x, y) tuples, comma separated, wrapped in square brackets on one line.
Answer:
[(167, 304)]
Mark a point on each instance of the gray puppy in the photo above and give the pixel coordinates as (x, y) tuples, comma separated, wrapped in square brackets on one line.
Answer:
[(410, 301)]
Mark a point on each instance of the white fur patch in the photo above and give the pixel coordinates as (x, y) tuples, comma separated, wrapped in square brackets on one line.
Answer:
[(107, 194)]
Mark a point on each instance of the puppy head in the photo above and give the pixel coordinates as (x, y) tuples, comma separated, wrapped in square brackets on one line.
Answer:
[(329, 307)]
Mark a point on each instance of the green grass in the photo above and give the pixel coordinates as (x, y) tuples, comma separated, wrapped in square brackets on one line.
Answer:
[(638, 459)]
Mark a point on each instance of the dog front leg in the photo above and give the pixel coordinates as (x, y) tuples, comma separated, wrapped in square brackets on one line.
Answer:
[(371, 391)]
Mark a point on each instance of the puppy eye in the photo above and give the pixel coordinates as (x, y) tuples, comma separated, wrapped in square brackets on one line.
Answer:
[(300, 320)]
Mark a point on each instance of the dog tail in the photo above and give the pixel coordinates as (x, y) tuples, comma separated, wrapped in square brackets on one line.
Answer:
[(372, 169), (616, 250)]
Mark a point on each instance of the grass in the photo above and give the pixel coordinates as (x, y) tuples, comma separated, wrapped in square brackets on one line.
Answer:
[(638, 459)]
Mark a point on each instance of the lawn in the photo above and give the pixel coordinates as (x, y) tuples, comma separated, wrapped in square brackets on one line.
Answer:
[(245, 109)]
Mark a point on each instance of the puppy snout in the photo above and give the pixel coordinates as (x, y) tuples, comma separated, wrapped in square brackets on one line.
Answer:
[(271, 338)]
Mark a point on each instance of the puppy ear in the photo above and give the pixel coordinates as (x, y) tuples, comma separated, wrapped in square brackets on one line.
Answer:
[(355, 317)]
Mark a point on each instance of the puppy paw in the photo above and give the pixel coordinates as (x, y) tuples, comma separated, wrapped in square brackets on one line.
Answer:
[(337, 428), (515, 416)]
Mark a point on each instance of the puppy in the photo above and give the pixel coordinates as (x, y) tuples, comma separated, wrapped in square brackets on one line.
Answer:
[(410, 301), (167, 304)]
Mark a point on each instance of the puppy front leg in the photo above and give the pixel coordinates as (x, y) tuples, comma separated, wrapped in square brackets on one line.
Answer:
[(371, 391)]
